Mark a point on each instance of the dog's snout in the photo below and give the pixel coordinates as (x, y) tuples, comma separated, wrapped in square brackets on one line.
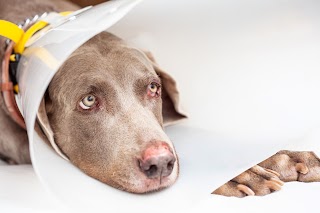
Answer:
[(157, 161)]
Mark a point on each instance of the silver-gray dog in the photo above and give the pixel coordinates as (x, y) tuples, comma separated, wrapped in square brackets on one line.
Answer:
[(106, 108)]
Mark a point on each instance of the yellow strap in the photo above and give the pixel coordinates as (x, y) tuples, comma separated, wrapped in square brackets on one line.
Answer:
[(16, 34), (19, 47), (16, 88), (65, 13), (12, 57), (10, 31)]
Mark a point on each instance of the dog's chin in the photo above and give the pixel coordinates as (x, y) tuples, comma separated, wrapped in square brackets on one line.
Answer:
[(141, 184), (152, 185)]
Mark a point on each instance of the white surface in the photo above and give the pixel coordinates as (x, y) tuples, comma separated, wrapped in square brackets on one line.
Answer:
[(249, 75), (22, 192)]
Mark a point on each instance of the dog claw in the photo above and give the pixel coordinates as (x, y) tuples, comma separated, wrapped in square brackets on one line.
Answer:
[(245, 189), (302, 168), (273, 172), (274, 185), (278, 181)]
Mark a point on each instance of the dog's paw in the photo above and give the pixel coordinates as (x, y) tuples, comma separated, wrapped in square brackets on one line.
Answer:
[(294, 166), (254, 181)]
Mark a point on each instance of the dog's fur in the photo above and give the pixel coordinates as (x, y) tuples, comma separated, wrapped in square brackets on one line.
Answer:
[(107, 141)]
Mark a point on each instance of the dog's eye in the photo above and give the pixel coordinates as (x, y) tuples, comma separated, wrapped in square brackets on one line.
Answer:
[(87, 102), (154, 89)]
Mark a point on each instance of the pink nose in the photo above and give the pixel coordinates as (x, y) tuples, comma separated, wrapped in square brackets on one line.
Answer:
[(157, 160)]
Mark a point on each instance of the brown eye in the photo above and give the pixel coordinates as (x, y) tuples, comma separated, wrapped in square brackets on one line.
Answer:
[(154, 89), (87, 102)]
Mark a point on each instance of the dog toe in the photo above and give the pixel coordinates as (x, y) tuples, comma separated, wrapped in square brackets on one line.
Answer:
[(310, 170), (245, 189), (302, 168), (255, 181), (232, 189), (294, 166), (274, 185), (269, 176)]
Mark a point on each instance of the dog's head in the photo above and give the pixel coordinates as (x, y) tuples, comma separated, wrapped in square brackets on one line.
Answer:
[(106, 108)]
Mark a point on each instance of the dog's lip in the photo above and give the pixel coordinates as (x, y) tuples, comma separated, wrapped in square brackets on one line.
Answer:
[(146, 185), (161, 180), (153, 185)]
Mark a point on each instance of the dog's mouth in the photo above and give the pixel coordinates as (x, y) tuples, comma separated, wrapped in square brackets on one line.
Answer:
[(146, 185), (139, 183), (152, 185)]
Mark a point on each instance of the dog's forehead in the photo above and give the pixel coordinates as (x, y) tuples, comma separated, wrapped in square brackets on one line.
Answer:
[(107, 52)]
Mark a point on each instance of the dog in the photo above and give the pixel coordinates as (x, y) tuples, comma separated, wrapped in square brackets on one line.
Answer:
[(106, 108)]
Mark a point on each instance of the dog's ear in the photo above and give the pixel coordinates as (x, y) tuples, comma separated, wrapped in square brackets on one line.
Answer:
[(43, 121), (171, 108)]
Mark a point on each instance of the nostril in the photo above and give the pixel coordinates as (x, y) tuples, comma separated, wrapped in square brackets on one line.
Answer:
[(147, 168), (170, 165), (151, 171)]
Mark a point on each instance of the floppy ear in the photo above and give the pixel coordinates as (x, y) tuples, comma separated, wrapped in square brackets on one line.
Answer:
[(171, 107), (44, 124)]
